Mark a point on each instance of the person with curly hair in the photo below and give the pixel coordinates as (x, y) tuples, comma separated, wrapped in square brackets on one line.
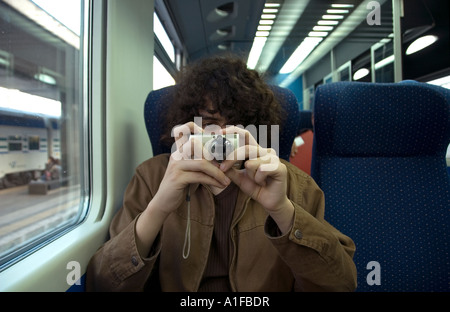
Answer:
[(249, 222)]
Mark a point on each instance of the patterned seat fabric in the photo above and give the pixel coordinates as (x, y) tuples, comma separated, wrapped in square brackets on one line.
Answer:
[(158, 100), (379, 157)]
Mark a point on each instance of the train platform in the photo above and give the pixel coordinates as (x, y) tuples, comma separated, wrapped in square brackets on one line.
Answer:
[(24, 216)]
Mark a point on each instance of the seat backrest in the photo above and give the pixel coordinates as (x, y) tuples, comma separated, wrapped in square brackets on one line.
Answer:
[(157, 101), (380, 159), (155, 104), (305, 121)]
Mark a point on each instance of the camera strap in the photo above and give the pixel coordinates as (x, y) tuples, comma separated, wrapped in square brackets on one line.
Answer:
[(187, 235)]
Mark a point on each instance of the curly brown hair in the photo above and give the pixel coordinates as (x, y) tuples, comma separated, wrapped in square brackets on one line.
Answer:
[(238, 93)]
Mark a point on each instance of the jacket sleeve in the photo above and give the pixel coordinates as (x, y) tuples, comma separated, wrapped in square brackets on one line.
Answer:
[(114, 266), (320, 257)]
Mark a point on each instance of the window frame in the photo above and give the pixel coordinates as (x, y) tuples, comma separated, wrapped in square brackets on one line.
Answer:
[(36, 270), (171, 31)]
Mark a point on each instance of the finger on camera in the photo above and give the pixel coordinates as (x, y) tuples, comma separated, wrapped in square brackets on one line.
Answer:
[(240, 154), (253, 168), (182, 133), (191, 149)]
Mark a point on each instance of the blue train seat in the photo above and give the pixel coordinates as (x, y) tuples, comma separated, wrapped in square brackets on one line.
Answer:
[(379, 157), (158, 100)]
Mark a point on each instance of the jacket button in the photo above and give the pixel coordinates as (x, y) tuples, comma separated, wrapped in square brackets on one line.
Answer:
[(134, 261), (298, 234)]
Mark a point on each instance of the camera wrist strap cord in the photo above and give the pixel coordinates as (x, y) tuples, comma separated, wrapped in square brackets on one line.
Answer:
[(187, 235)]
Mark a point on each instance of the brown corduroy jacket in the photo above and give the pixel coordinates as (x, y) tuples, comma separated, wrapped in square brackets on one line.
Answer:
[(314, 256)]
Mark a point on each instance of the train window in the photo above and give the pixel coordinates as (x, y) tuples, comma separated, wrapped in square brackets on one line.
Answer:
[(33, 142), (43, 189), (383, 61), (15, 143), (163, 37), (161, 76), (344, 72)]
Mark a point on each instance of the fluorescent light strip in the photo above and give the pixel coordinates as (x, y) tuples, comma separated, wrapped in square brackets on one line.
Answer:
[(342, 5), (266, 22), (270, 11), (327, 22), (323, 28), (347, 26), (255, 52), (332, 17), (317, 34), (266, 28), (272, 5), (288, 16), (262, 34), (334, 11), (300, 54), (384, 62)]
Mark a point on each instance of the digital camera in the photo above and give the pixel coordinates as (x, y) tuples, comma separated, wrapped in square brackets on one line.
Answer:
[(216, 145)]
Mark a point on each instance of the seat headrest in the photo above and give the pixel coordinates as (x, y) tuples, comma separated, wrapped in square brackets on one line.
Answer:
[(382, 119)]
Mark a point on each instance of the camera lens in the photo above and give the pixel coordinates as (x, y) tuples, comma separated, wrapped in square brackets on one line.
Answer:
[(220, 148)]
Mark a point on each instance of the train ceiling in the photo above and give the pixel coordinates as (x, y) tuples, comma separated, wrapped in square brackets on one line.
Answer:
[(231, 25)]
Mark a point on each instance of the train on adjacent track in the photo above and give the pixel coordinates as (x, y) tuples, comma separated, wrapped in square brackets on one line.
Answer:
[(27, 141)]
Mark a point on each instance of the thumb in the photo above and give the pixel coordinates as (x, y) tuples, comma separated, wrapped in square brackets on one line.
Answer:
[(235, 175)]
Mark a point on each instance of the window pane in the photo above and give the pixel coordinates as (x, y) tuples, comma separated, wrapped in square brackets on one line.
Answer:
[(162, 36), (161, 77), (42, 189)]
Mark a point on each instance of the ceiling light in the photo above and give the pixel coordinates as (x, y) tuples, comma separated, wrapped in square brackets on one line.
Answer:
[(360, 73), (384, 62), (334, 11), (223, 32), (443, 82), (272, 5), (262, 34), (267, 28), (328, 22), (332, 17), (300, 54), (4, 62), (221, 13), (225, 9), (255, 52), (270, 10), (268, 16), (342, 5), (323, 28), (421, 43), (223, 47), (266, 22), (317, 34), (46, 79)]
